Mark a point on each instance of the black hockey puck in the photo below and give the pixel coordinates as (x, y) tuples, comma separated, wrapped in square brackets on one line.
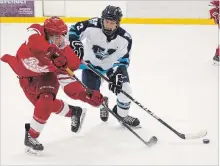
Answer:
[(205, 141)]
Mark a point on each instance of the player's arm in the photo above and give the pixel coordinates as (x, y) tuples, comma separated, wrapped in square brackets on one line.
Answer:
[(75, 36), (78, 32), (72, 87), (36, 41)]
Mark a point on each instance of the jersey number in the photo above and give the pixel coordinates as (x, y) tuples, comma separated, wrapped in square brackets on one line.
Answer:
[(80, 26)]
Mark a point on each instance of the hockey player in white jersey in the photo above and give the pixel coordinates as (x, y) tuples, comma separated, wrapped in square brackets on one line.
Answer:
[(107, 48)]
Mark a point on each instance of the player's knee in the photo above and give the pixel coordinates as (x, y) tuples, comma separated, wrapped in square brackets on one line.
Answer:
[(43, 107), (121, 97), (46, 97), (45, 101), (127, 87)]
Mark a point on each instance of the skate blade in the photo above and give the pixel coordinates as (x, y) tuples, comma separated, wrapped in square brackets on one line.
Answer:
[(215, 63), (136, 127), (133, 127), (32, 152), (82, 118)]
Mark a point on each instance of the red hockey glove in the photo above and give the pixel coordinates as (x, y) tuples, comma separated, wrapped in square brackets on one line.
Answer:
[(60, 62), (94, 98), (57, 57)]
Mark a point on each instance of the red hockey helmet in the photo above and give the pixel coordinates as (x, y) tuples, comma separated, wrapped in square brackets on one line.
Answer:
[(55, 26)]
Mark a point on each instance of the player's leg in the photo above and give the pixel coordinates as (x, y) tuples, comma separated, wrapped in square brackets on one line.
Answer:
[(93, 82), (77, 114), (62, 108), (41, 91), (123, 103), (39, 119), (59, 107)]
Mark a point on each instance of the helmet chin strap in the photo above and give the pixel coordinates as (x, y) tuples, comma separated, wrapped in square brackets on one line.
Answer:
[(108, 32)]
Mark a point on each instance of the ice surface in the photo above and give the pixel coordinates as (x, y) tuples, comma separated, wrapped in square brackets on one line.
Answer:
[(171, 74)]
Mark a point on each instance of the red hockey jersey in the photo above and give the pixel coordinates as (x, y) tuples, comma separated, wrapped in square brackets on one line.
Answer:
[(214, 12), (31, 60)]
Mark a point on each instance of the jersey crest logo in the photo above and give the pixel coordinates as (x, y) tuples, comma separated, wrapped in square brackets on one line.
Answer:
[(32, 64), (102, 53)]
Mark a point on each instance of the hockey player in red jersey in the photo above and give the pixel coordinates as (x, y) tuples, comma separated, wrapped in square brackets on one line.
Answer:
[(40, 65), (214, 13)]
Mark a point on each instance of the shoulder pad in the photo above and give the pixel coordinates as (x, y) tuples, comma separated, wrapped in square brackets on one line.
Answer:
[(94, 22), (123, 33), (38, 28)]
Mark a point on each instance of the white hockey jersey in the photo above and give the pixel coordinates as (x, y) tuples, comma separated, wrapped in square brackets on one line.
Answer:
[(99, 50)]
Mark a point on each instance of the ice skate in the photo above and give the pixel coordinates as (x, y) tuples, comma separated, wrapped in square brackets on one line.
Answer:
[(129, 120), (104, 114), (216, 60), (77, 119), (33, 147)]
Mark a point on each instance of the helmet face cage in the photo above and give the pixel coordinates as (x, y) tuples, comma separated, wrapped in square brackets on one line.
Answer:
[(61, 41), (111, 13)]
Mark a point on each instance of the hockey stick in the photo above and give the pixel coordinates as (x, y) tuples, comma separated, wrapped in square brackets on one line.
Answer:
[(151, 142), (183, 136)]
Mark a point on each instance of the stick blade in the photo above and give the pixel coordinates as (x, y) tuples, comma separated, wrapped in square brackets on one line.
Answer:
[(153, 140), (200, 134)]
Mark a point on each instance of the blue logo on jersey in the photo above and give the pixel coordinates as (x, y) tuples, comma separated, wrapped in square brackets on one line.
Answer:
[(102, 53)]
